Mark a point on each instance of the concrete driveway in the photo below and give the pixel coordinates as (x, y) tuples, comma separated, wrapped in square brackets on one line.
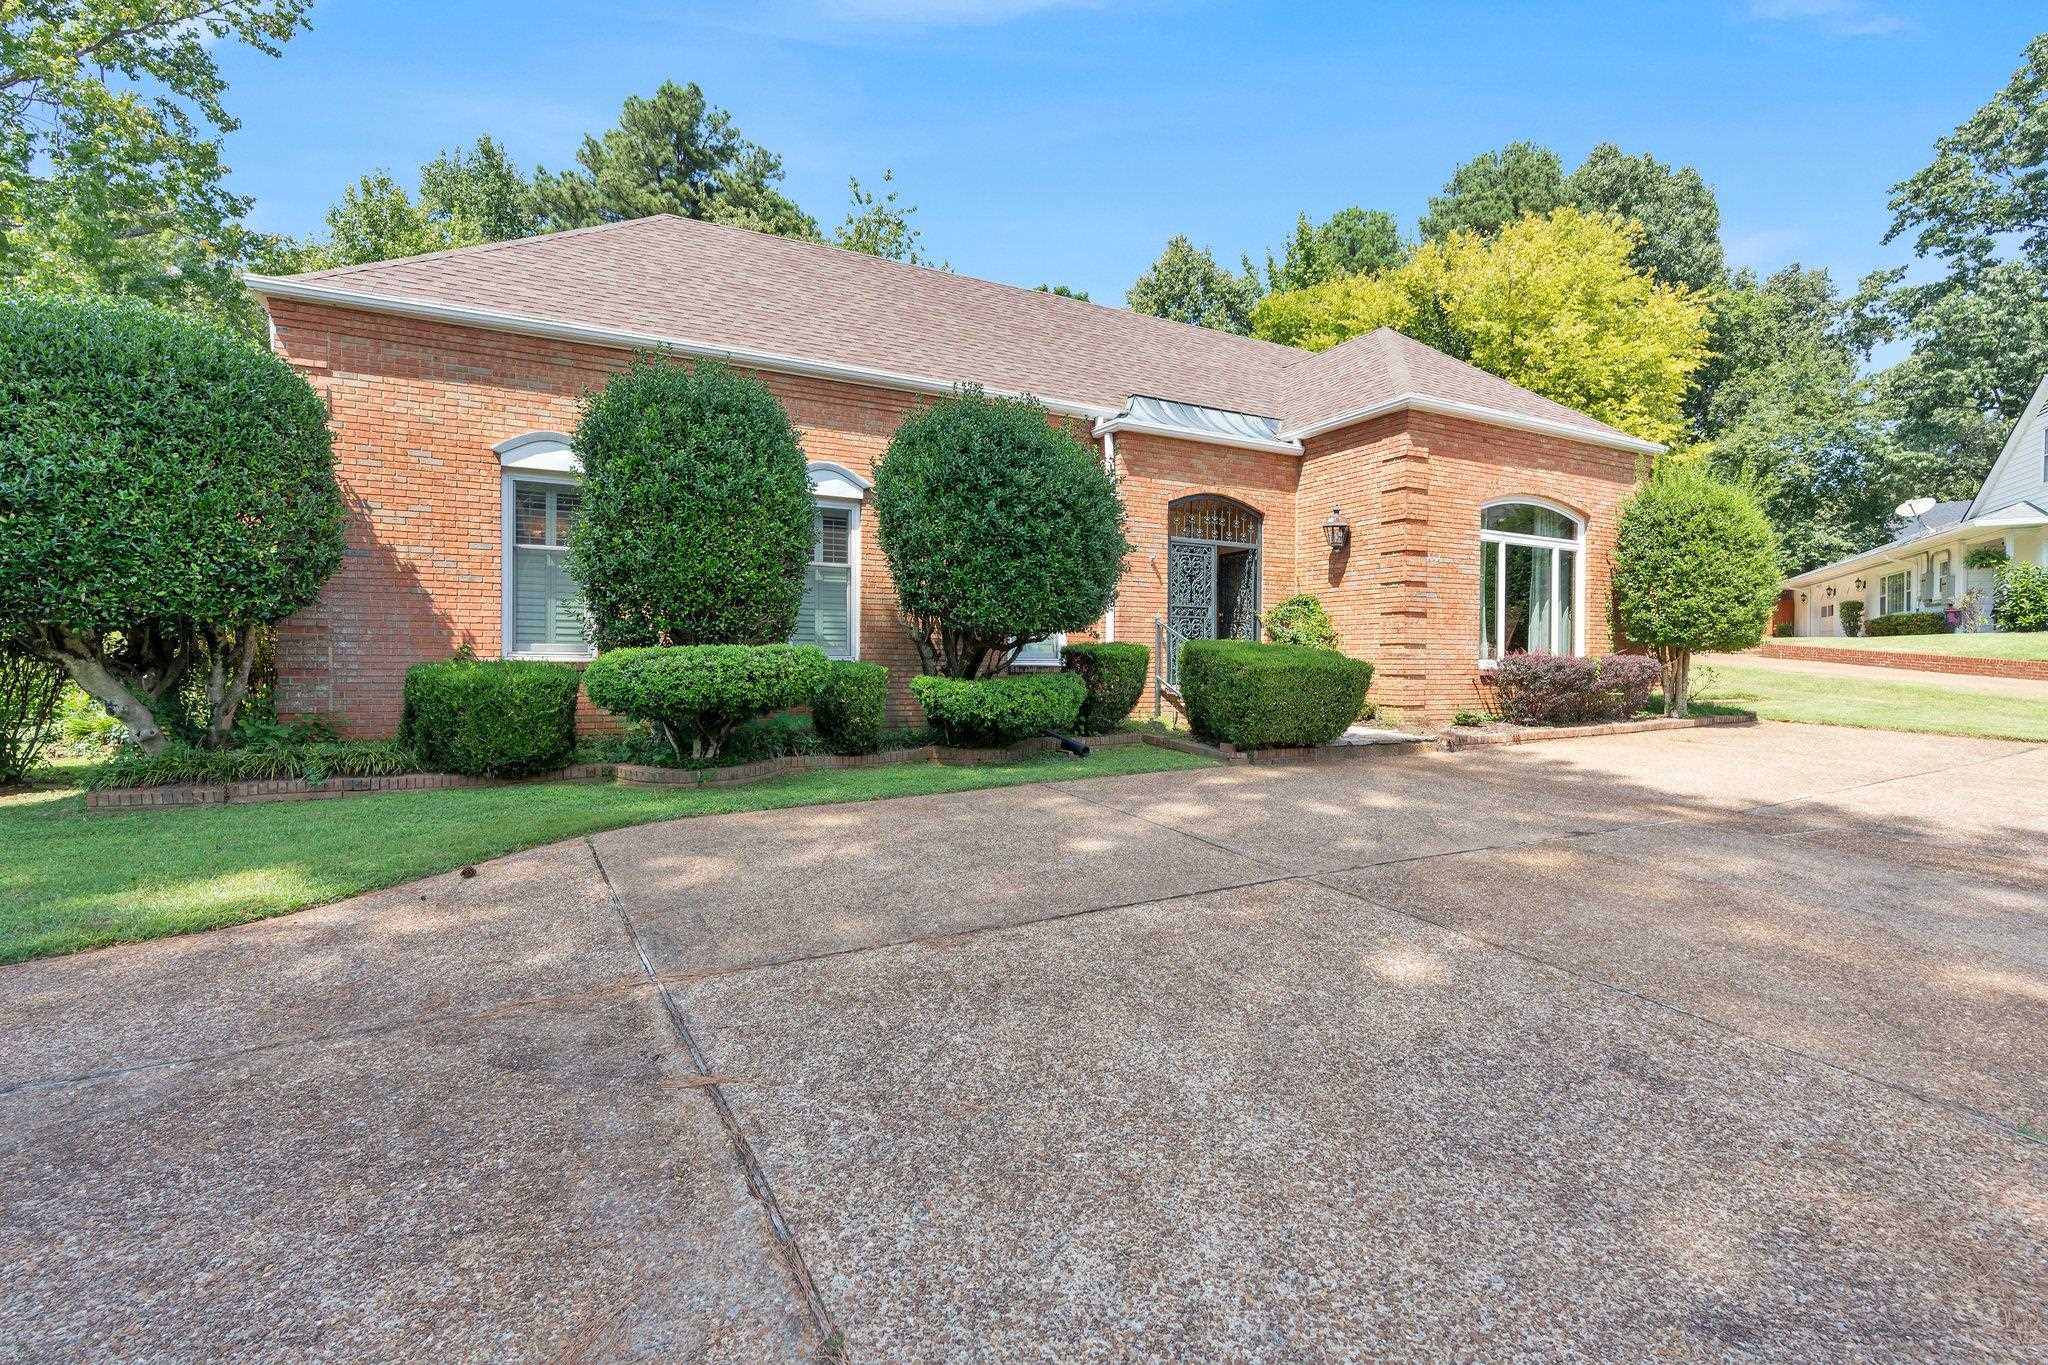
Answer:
[(1697, 1044)]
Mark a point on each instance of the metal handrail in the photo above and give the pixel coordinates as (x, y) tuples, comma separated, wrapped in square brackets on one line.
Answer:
[(1166, 643)]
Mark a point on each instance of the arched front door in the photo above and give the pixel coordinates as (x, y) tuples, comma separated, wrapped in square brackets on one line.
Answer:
[(1212, 574)]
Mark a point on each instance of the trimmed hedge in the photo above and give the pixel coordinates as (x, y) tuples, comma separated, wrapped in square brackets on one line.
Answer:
[(1270, 696), (1000, 710), (847, 711), (1851, 613), (1908, 623), (704, 692), (496, 718), (695, 520), (1538, 689), (1115, 676)]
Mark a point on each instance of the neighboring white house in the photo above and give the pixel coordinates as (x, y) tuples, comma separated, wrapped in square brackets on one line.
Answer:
[(1923, 568)]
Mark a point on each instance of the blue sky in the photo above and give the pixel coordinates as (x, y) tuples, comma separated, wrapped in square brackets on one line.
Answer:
[(1064, 141)]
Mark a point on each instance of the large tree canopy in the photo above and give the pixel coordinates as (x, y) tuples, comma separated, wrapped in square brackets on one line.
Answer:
[(671, 152), (1980, 332), (1680, 218), (1351, 241), (1785, 411), (879, 225), (1186, 285), (1495, 189), (1550, 303), (166, 492), (111, 179)]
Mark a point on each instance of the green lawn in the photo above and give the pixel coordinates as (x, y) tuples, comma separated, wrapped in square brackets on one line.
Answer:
[(70, 879), (1874, 705), (2031, 644)]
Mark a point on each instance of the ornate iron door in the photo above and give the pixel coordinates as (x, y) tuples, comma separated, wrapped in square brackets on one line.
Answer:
[(1191, 589)]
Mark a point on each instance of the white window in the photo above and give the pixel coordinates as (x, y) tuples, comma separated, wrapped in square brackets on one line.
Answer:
[(546, 607), (827, 616), (1041, 653), (830, 615), (1530, 585), (1894, 594)]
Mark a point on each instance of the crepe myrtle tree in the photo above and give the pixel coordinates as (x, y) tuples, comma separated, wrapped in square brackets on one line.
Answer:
[(695, 522), (1695, 567), (1001, 528), (167, 494)]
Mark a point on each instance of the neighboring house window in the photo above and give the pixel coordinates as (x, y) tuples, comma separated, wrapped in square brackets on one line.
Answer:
[(543, 610), (1892, 593), (1529, 580), (830, 615)]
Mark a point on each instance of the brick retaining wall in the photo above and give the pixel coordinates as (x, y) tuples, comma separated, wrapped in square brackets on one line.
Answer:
[(2034, 669)]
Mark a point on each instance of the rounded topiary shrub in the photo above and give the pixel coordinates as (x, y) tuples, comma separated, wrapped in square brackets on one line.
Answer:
[(1270, 696), (695, 521), (167, 493), (981, 711), (1695, 567), (697, 695), (849, 706), (1000, 527), (497, 718), (1115, 677)]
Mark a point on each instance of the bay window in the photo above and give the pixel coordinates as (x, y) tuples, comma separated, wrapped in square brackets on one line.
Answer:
[(1530, 584)]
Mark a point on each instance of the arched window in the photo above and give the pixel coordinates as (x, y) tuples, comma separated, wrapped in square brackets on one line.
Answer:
[(1531, 580)]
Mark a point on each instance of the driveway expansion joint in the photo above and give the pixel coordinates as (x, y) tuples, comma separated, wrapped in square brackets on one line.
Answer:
[(756, 1175)]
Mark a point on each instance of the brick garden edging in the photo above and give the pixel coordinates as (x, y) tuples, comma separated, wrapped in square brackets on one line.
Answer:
[(2034, 669), (299, 789), (1472, 737)]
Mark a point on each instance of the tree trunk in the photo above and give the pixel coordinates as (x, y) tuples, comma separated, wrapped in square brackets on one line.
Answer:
[(105, 687), (228, 685), (1677, 679)]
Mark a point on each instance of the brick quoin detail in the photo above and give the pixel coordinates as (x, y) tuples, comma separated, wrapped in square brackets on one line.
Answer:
[(417, 407)]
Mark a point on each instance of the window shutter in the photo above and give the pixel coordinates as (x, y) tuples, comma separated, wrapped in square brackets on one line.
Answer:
[(824, 619)]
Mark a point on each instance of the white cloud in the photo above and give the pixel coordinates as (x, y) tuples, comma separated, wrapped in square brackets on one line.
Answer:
[(1838, 18), (945, 11)]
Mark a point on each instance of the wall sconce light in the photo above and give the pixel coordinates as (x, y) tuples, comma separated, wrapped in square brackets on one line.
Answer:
[(1802, 597), (1859, 585), (1335, 531), (1831, 592)]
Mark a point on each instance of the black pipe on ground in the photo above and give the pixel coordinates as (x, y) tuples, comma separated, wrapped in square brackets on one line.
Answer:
[(1072, 746)]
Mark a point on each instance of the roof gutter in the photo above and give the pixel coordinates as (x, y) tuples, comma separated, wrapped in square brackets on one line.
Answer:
[(270, 286), (1883, 554), (1280, 446), (1475, 412)]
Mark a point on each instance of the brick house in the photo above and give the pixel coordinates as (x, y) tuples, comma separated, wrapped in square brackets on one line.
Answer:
[(1478, 517)]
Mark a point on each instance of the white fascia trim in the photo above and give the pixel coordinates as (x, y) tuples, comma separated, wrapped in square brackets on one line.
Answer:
[(1111, 425), (493, 320), (1445, 407)]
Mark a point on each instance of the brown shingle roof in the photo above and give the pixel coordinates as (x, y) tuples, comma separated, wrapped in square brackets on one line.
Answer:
[(688, 281)]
